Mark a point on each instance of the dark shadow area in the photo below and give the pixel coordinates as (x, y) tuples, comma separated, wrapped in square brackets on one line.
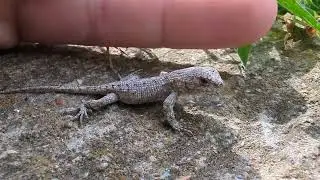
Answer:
[(265, 89), (63, 64), (313, 131), (215, 58)]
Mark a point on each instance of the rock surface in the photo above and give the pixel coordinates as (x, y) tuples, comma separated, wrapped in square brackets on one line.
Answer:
[(263, 124)]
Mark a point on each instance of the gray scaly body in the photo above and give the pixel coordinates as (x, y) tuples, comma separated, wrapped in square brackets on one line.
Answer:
[(135, 90)]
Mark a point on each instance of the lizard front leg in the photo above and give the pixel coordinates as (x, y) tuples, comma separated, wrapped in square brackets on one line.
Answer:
[(82, 110), (168, 106)]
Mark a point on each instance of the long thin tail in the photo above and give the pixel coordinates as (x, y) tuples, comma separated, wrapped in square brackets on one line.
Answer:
[(93, 90)]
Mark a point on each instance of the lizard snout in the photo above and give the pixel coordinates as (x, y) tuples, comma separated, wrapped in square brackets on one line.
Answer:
[(220, 83)]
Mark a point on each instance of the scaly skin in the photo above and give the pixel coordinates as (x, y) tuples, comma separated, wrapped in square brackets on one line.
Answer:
[(133, 90)]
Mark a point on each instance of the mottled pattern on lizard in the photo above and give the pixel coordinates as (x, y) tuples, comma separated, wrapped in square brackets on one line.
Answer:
[(135, 90)]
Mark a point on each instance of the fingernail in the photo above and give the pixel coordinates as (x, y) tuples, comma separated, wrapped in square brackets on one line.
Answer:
[(8, 36)]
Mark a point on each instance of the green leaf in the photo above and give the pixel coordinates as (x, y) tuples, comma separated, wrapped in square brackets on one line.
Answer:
[(297, 9), (314, 5), (244, 53)]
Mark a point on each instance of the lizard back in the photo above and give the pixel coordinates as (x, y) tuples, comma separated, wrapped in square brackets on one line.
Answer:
[(141, 90)]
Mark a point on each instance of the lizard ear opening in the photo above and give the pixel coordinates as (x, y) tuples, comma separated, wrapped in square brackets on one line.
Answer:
[(203, 81)]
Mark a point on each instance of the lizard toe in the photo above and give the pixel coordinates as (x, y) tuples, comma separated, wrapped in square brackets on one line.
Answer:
[(186, 132), (77, 114), (69, 111), (177, 127), (82, 114)]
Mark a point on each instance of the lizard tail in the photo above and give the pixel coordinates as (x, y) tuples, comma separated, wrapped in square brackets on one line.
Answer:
[(94, 90)]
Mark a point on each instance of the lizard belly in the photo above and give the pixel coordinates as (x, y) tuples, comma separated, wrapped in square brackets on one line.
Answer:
[(143, 95)]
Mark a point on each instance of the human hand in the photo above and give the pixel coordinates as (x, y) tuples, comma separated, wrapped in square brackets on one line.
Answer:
[(136, 23)]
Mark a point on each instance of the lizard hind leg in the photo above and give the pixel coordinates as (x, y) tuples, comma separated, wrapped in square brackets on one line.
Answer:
[(88, 106)]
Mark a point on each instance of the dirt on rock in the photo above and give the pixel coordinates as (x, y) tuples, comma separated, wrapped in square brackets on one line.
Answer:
[(264, 123)]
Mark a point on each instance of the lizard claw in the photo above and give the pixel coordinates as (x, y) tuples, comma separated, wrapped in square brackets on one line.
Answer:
[(68, 111), (81, 113), (184, 131), (187, 132), (177, 127)]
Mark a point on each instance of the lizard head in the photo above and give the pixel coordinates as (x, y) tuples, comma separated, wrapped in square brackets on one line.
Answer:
[(195, 77), (208, 76)]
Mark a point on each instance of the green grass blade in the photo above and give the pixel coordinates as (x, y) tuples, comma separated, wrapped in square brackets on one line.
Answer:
[(244, 53), (295, 8)]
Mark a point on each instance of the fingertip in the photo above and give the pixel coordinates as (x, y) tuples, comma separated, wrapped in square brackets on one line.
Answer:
[(216, 23), (144, 23), (260, 20), (8, 31), (8, 36)]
